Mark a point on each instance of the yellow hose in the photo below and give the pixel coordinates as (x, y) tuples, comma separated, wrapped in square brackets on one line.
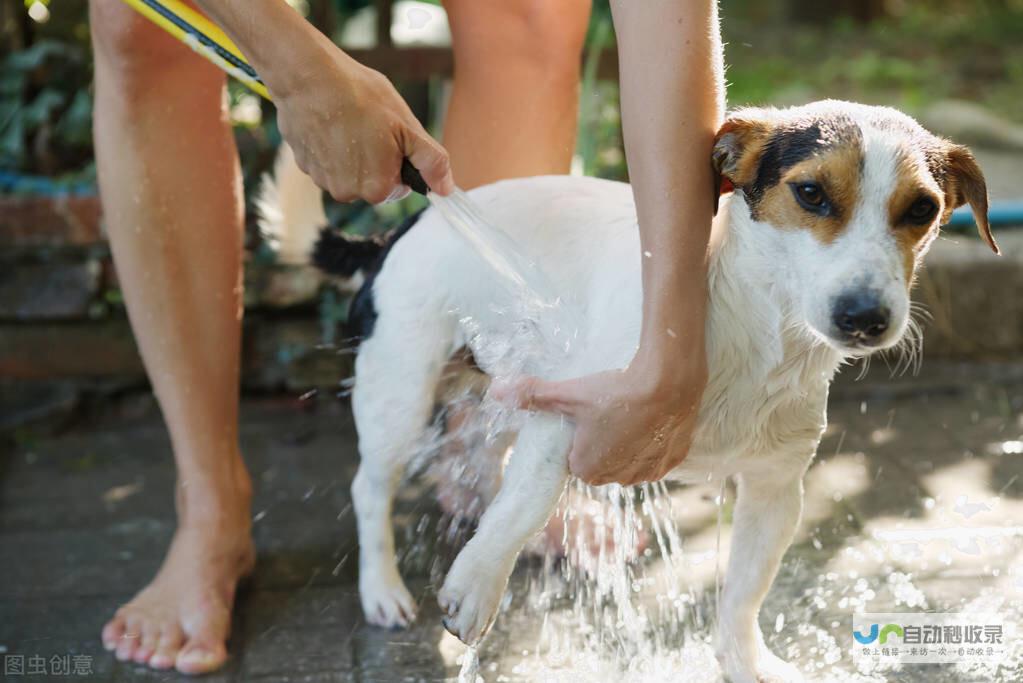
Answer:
[(202, 35)]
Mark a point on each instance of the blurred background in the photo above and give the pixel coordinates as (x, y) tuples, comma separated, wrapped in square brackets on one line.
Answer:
[(955, 64)]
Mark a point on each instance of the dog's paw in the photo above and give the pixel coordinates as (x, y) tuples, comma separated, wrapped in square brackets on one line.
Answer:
[(470, 598), (386, 602)]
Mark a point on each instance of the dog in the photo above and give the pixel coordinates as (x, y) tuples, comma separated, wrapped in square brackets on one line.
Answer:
[(826, 211)]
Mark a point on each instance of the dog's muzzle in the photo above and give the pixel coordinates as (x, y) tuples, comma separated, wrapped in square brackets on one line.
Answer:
[(860, 319)]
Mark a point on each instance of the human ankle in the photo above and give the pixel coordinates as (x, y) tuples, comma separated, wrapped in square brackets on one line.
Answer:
[(214, 504)]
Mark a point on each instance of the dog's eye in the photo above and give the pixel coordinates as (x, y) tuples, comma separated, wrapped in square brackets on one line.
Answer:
[(811, 197), (922, 211), (810, 194)]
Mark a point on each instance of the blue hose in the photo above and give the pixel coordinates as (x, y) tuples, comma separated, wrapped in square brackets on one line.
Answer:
[(1000, 214), (12, 182)]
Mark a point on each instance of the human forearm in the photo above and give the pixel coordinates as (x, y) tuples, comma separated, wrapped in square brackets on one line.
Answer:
[(284, 48), (672, 100)]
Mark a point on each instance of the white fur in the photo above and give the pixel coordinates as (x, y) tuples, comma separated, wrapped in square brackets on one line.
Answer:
[(770, 357), (290, 207)]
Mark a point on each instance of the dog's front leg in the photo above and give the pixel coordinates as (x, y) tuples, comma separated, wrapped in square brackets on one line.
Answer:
[(532, 485), (766, 515)]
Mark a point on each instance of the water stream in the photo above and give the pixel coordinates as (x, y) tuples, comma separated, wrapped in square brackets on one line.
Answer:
[(496, 248)]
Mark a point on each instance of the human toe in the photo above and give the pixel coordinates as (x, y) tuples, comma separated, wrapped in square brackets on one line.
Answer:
[(167, 648), (201, 656)]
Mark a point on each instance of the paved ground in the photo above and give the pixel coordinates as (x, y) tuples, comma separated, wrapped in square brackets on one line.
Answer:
[(909, 507)]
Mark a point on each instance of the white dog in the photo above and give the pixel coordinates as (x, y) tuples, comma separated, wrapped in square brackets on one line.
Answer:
[(834, 205)]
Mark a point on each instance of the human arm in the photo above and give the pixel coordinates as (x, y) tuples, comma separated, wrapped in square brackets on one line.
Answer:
[(347, 124), (636, 424)]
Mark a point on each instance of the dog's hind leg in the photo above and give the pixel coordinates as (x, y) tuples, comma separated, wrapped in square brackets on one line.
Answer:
[(397, 371), (533, 483), (766, 516)]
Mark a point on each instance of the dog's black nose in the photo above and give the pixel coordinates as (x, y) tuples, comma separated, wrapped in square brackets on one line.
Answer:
[(861, 316)]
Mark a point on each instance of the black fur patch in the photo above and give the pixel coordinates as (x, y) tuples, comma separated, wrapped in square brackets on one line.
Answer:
[(792, 143), (338, 254), (362, 315)]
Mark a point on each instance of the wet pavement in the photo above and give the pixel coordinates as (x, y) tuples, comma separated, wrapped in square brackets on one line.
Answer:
[(912, 505)]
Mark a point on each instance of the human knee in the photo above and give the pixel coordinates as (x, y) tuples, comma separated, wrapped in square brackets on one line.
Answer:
[(134, 56), (545, 34)]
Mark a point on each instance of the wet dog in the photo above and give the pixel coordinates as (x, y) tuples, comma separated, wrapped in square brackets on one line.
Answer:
[(834, 206)]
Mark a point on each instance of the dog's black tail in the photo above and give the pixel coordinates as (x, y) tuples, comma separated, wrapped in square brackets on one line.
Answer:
[(362, 315), (344, 256)]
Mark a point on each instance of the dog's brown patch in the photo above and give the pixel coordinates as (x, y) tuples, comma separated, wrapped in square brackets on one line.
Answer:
[(913, 182), (965, 185), (738, 148), (837, 169)]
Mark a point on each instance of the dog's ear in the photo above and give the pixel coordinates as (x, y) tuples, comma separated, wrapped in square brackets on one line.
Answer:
[(964, 184), (737, 148)]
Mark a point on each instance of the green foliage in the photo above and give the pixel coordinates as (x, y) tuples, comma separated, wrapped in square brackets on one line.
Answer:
[(46, 109), (599, 139), (932, 50)]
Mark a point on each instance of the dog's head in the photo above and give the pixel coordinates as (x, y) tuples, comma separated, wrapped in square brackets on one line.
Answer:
[(852, 196)]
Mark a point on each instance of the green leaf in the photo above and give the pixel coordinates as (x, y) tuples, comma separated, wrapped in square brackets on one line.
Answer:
[(75, 126), (33, 57), (12, 142), (40, 109)]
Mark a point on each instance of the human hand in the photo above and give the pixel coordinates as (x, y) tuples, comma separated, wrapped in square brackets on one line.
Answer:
[(631, 425), (348, 126), (350, 130)]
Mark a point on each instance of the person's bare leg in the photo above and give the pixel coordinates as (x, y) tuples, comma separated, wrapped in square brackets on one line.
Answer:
[(514, 103), (169, 179)]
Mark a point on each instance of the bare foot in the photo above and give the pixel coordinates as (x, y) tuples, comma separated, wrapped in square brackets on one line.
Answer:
[(182, 619)]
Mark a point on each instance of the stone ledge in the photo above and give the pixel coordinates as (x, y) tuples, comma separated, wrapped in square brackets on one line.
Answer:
[(49, 221), (72, 350), (974, 298), (55, 290), (277, 353)]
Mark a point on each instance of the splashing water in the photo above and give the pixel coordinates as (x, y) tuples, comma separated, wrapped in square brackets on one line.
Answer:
[(612, 612), (609, 613)]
